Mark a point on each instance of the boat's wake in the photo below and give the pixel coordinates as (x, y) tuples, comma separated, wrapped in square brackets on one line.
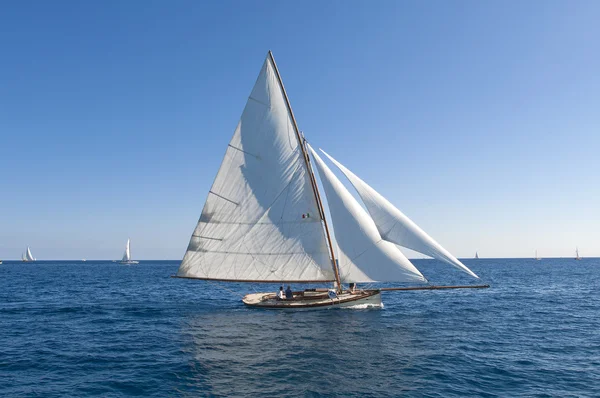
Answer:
[(364, 306)]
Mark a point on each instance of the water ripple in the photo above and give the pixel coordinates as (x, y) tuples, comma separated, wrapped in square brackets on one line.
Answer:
[(99, 328)]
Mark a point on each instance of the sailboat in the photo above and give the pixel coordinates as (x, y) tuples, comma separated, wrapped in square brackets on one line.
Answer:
[(577, 254), (536, 256), (127, 255), (27, 257), (264, 220), (476, 256)]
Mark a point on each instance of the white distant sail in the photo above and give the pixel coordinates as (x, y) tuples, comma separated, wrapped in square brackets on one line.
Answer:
[(127, 254), (363, 255), (261, 221), (394, 226), (27, 256)]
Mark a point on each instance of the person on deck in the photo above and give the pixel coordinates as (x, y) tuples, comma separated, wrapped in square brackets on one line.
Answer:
[(352, 287), (280, 295), (288, 293)]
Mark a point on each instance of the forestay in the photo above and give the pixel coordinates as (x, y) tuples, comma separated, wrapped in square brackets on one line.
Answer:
[(363, 256), (260, 221), (394, 226)]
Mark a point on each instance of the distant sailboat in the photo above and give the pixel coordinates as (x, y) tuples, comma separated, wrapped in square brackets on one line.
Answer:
[(27, 257), (127, 255), (577, 254), (476, 256), (536, 256), (264, 220)]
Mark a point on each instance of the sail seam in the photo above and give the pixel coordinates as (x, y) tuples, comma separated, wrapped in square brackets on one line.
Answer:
[(256, 280), (205, 237), (246, 152), (248, 253), (242, 238), (224, 198), (261, 223), (257, 101), (364, 251)]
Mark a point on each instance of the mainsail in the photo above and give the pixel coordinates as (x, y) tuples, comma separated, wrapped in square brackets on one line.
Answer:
[(394, 226), (363, 255), (261, 220), (127, 254), (28, 255)]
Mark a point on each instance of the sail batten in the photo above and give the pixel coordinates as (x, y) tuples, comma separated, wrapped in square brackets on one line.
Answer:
[(363, 255), (260, 220), (394, 226)]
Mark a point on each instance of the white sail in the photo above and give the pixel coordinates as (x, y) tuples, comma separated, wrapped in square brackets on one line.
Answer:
[(363, 255), (28, 255), (260, 221), (127, 254), (394, 226)]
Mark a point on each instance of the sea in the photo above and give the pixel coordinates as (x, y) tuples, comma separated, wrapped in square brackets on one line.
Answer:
[(98, 328)]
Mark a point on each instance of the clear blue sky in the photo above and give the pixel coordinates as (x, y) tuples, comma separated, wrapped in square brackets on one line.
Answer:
[(480, 120)]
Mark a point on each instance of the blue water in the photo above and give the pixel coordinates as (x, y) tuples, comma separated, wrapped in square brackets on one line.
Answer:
[(100, 328)]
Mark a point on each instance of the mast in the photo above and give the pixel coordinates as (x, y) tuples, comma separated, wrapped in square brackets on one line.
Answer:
[(310, 173)]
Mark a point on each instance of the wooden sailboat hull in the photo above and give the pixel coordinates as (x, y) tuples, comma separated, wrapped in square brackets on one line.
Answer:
[(305, 301)]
